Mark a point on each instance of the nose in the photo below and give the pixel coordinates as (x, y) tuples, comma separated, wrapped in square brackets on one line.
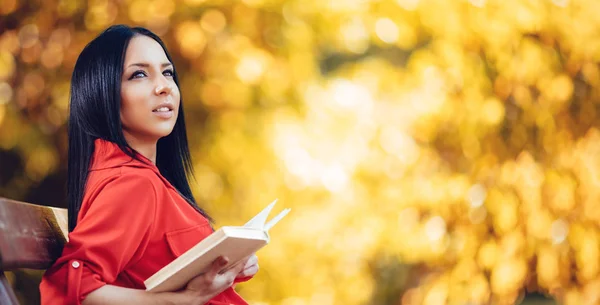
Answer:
[(163, 87)]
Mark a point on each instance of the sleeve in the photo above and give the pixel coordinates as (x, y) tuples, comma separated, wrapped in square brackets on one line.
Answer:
[(109, 235), (242, 279)]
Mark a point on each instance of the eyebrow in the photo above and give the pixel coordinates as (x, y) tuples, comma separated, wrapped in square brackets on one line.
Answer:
[(145, 65)]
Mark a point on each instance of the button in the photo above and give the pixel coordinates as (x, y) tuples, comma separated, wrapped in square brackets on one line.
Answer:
[(75, 264)]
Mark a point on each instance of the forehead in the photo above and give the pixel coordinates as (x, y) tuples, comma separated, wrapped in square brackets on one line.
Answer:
[(143, 49)]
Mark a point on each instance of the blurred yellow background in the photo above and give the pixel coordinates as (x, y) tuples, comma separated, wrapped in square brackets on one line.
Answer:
[(432, 151)]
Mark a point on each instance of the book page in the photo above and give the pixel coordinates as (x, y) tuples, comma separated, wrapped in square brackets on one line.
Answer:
[(258, 221), (276, 219)]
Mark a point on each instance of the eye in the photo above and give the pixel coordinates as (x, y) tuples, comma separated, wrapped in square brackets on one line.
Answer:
[(138, 74), (168, 72)]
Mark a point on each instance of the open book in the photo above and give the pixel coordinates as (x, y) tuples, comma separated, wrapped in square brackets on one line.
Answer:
[(234, 242)]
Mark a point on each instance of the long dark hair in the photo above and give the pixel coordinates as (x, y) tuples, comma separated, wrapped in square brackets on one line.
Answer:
[(95, 113)]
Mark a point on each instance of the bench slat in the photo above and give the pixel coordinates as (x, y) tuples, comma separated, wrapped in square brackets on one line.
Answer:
[(31, 236)]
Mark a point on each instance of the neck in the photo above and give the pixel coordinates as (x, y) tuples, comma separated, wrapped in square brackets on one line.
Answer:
[(146, 148)]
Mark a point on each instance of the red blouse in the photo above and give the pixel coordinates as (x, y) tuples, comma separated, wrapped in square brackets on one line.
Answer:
[(132, 222)]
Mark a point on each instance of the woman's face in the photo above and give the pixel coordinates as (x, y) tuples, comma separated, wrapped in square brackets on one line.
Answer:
[(149, 96)]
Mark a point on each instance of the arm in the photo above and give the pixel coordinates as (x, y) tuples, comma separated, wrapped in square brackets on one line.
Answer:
[(112, 231), (109, 294), (197, 292)]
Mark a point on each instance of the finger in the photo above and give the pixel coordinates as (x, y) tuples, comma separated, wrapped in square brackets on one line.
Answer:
[(255, 265), (250, 265), (217, 265), (238, 267), (252, 270), (253, 260)]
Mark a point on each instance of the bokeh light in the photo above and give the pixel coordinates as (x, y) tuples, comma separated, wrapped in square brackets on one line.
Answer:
[(432, 151)]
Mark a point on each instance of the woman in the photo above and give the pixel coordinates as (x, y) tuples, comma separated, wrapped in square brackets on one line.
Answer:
[(131, 210)]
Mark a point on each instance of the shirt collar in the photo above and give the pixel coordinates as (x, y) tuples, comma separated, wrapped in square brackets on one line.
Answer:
[(108, 155)]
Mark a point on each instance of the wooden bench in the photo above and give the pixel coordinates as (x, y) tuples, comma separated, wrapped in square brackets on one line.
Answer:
[(31, 236)]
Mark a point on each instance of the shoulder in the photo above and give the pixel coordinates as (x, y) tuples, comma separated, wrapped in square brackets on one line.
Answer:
[(118, 194), (100, 179), (139, 174), (113, 186)]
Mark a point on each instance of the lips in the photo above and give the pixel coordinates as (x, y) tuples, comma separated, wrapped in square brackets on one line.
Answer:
[(164, 111), (164, 107)]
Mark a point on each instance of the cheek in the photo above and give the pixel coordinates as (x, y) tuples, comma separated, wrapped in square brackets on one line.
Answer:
[(124, 105), (129, 103), (124, 110), (176, 98), (176, 95)]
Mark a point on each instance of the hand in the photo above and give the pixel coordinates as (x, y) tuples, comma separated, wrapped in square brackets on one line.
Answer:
[(250, 268), (209, 284)]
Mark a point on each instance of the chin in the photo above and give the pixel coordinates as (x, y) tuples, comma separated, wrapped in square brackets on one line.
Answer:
[(155, 135), (164, 133)]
